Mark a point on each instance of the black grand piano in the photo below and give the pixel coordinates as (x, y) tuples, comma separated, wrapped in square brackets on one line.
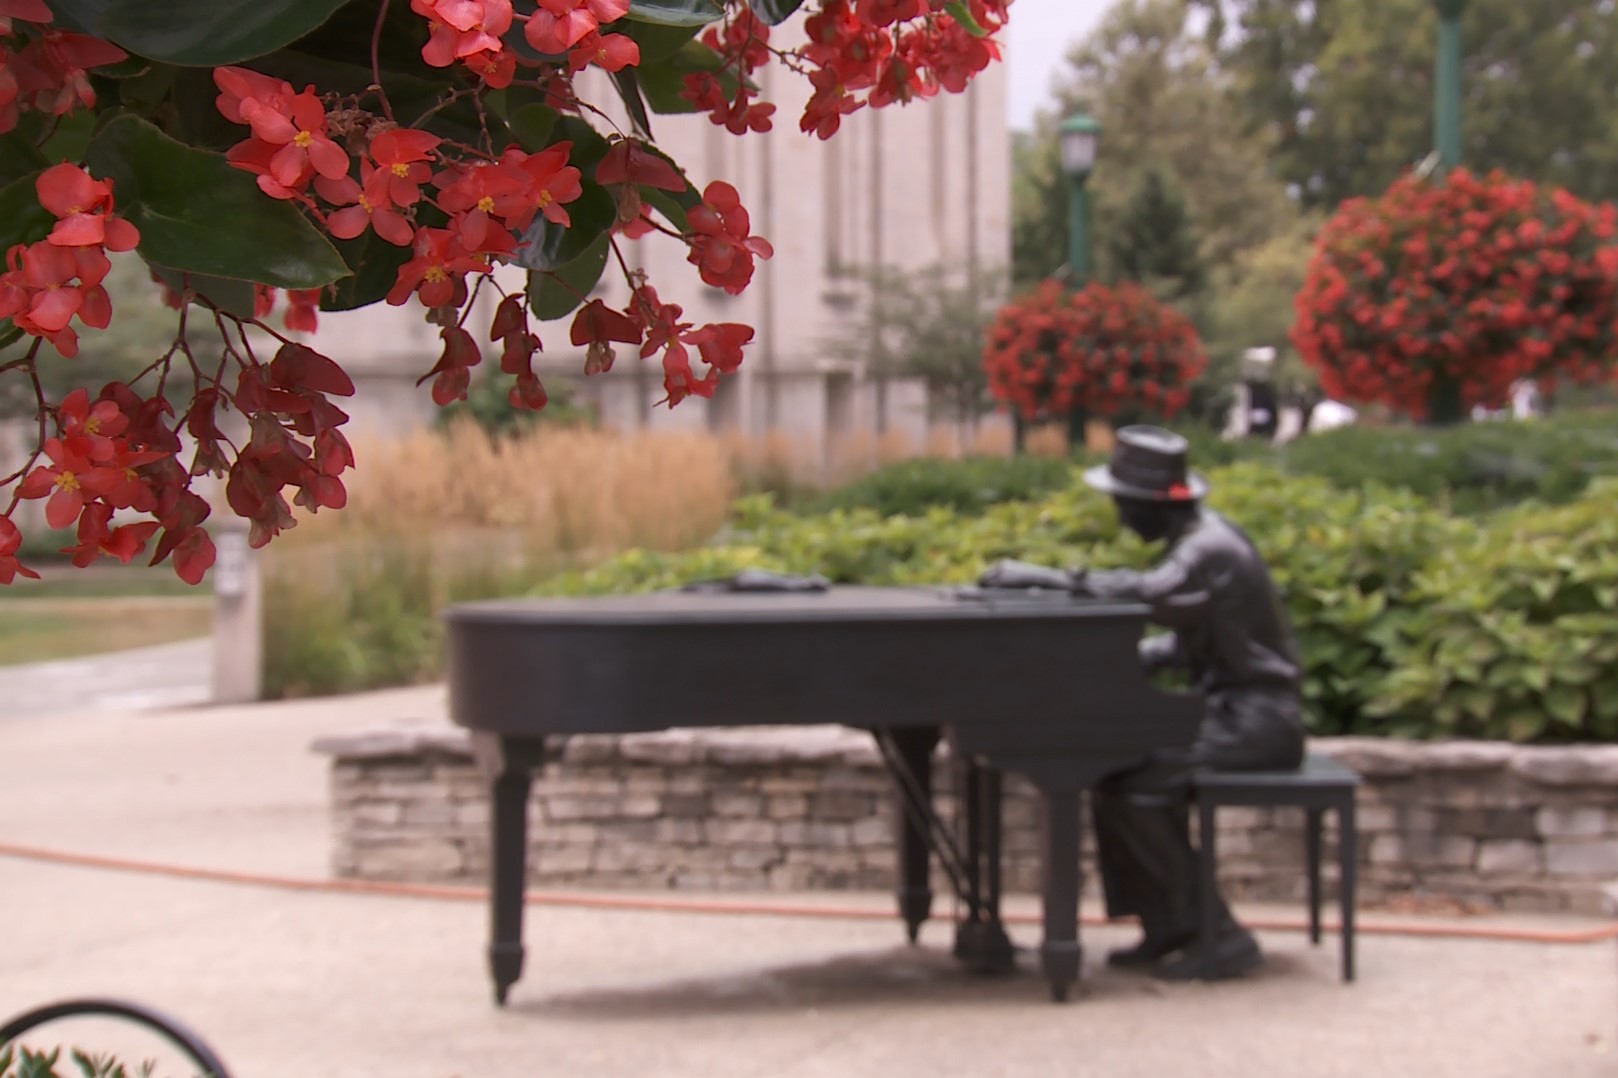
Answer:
[(1045, 685)]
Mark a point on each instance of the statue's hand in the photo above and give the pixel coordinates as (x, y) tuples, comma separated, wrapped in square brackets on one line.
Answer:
[(1010, 573)]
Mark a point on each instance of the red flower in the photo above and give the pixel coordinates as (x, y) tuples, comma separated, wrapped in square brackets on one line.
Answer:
[(597, 326), (10, 543), (462, 28), (437, 272), (71, 479), (403, 153), (558, 25), (84, 207), (721, 248), (453, 373), (627, 162), (610, 52), (366, 203)]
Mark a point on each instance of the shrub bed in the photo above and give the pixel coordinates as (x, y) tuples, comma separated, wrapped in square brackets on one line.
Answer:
[(1472, 469), (1413, 622)]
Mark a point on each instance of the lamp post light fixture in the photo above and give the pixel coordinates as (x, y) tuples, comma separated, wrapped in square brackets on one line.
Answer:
[(1077, 139), (1447, 84)]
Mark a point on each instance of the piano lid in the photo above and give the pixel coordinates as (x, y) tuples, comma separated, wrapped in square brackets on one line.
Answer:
[(838, 603)]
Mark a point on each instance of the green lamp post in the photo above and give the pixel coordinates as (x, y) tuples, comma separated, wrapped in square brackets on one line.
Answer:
[(1447, 84), (1444, 404), (1077, 140)]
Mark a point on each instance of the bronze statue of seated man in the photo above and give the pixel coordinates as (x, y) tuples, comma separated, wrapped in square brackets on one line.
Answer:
[(1229, 632)]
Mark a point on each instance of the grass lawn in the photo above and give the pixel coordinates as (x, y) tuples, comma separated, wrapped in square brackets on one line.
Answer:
[(103, 580), (38, 630), (72, 612)]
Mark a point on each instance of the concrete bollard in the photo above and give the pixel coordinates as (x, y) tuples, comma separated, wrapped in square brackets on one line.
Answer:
[(238, 626)]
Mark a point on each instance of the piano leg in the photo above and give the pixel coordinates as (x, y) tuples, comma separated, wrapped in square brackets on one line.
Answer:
[(915, 894), (981, 941), (510, 781), (1060, 954)]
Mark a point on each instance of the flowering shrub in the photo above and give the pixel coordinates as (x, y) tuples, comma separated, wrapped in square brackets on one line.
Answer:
[(1465, 283), (1102, 350), (342, 153)]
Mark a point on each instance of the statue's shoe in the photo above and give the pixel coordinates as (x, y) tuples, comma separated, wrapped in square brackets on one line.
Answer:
[(1148, 951), (1235, 953)]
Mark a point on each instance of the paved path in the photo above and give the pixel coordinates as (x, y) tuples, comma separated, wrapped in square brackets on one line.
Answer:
[(292, 984), (140, 679)]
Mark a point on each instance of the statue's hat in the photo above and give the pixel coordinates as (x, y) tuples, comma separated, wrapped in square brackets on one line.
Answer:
[(1148, 463)]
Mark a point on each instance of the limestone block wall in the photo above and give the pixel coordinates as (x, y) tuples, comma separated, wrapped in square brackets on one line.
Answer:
[(787, 809)]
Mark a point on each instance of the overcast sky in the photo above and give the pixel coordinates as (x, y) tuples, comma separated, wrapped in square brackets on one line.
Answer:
[(1039, 34)]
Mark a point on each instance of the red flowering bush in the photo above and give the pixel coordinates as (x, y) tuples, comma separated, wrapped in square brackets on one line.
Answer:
[(1464, 285), (351, 152), (1103, 350)]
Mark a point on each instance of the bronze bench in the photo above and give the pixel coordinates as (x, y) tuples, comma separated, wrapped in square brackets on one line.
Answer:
[(1320, 785)]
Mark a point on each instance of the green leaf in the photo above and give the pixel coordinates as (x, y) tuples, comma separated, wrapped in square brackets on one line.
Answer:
[(676, 12), (9, 335), (233, 297), (22, 218), (533, 124), (962, 14), (658, 42), (373, 265), (199, 215), (81, 15), (209, 33), (19, 154), (1524, 725), (662, 83), (556, 293), (68, 141), (588, 145), (628, 86), (549, 246), (1565, 704), (147, 89), (775, 12)]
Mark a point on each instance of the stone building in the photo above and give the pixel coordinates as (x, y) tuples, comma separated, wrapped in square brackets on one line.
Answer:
[(904, 187)]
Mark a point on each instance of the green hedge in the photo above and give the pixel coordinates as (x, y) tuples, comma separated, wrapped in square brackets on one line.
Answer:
[(1514, 632), (969, 485), (1472, 469)]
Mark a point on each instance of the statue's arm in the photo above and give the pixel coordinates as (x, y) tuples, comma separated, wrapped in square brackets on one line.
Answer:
[(1173, 589), (1011, 573)]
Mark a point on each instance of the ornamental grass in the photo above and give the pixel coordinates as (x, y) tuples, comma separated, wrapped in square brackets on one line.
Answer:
[(351, 598)]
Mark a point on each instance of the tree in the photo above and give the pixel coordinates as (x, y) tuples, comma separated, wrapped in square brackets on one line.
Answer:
[(1164, 104), (1441, 293), (1343, 90), (1153, 242), (1039, 206), (929, 324), (351, 152), (1252, 307)]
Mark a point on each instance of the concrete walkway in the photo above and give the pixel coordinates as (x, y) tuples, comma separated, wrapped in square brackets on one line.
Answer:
[(329, 985), (140, 679)]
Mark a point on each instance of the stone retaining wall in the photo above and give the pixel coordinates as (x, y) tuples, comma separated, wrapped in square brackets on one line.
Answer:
[(811, 808)]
